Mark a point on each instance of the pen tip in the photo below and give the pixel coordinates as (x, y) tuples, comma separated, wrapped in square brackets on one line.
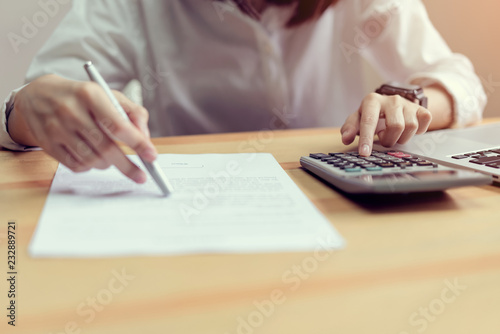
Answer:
[(88, 64)]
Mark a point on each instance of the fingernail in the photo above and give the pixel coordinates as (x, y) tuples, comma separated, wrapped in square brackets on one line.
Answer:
[(140, 177), (150, 155), (365, 150)]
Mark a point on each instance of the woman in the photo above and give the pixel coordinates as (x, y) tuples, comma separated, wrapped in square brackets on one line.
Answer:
[(218, 66)]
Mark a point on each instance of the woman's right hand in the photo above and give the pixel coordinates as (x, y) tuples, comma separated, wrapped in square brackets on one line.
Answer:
[(74, 122)]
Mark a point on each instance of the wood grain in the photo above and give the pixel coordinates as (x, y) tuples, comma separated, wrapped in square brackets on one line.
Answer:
[(402, 253)]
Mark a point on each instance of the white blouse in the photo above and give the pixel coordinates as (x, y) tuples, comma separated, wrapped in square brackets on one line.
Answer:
[(205, 67)]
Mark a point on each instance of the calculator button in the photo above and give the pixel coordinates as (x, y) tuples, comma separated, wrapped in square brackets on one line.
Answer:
[(424, 163), (347, 166), (386, 165), (494, 165), (374, 169), (459, 157), (318, 155), (353, 170), (399, 154), (495, 151)]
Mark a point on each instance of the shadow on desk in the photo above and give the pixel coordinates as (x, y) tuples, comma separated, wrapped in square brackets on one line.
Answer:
[(384, 203), (413, 202), (410, 202)]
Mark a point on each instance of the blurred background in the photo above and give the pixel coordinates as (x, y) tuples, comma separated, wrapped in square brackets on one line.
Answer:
[(467, 26)]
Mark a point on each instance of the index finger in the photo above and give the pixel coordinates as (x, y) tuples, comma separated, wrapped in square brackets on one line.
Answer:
[(370, 113), (107, 116)]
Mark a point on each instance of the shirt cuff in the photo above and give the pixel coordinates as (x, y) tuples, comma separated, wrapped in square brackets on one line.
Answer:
[(6, 140)]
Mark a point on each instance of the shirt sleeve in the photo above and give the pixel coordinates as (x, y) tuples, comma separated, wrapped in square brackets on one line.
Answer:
[(102, 31), (403, 45), (6, 140)]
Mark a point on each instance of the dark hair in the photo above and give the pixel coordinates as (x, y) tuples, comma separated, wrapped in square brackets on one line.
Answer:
[(306, 9)]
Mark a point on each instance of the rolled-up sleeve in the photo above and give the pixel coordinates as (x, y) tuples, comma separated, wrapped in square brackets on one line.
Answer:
[(408, 48)]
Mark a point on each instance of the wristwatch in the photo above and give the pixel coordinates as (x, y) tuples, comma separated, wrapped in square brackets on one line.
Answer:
[(413, 93)]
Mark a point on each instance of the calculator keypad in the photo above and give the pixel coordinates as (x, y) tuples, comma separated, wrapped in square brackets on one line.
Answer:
[(352, 162)]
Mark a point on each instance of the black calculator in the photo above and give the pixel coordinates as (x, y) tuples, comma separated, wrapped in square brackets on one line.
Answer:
[(386, 172)]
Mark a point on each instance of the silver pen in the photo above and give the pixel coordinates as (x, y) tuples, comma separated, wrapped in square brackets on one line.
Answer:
[(153, 168)]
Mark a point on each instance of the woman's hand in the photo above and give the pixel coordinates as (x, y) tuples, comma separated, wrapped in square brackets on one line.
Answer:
[(76, 123), (393, 118)]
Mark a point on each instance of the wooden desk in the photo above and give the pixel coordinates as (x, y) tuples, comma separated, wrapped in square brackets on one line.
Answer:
[(403, 253)]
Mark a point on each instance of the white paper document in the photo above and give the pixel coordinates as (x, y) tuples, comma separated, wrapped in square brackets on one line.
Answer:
[(222, 203)]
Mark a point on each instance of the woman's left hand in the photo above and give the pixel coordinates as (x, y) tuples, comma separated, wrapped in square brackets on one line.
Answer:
[(393, 118)]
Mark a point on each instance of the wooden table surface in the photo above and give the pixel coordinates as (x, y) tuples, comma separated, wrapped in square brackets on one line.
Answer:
[(426, 263)]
